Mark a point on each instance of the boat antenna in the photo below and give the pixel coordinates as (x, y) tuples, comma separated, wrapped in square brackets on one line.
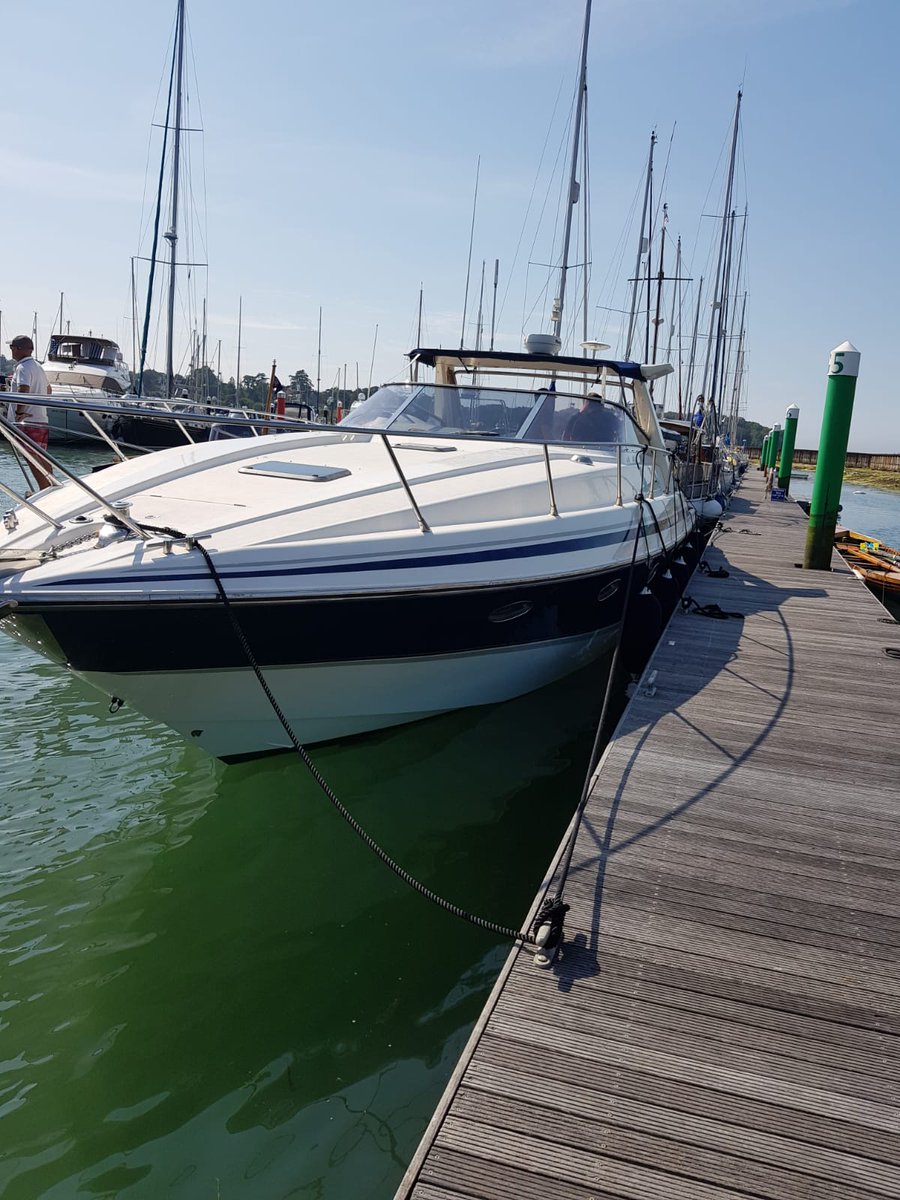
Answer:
[(462, 334), (573, 170), (171, 234)]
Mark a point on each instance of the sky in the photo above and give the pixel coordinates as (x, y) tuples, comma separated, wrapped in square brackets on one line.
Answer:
[(337, 166)]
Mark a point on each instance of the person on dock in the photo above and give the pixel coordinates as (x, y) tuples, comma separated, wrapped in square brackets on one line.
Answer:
[(29, 379)]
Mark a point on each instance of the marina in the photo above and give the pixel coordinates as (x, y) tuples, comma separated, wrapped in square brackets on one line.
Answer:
[(436, 761), (725, 1016)]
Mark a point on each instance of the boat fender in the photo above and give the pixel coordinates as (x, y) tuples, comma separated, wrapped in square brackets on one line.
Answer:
[(547, 928), (641, 632), (689, 553), (666, 590), (709, 510), (680, 571)]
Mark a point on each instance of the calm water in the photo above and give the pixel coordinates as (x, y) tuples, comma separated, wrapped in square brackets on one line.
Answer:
[(208, 986), (865, 509)]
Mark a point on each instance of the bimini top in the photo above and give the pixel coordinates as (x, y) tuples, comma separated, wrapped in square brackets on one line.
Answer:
[(473, 360)]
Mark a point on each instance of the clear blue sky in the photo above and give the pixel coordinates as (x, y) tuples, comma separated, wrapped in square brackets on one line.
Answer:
[(340, 145)]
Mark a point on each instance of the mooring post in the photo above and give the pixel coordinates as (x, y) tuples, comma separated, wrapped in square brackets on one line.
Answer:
[(843, 369), (764, 452), (787, 448), (773, 452)]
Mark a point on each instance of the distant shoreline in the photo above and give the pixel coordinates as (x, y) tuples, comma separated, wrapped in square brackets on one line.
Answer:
[(888, 481)]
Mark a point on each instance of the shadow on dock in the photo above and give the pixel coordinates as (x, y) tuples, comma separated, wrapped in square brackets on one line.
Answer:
[(755, 649)]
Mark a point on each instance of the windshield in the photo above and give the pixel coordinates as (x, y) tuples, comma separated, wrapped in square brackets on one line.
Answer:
[(540, 416)]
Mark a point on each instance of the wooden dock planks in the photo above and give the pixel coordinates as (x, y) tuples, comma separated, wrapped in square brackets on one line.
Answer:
[(725, 1020)]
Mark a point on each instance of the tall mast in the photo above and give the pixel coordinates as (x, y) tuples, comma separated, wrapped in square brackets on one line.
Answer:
[(692, 358), (738, 376), (171, 234), (462, 332), (494, 305), (660, 276), (319, 359), (643, 248), (479, 326), (719, 286), (573, 171), (237, 378), (733, 273), (676, 294)]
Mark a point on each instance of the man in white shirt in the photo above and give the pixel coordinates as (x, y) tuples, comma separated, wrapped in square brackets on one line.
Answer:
[(29, 379)]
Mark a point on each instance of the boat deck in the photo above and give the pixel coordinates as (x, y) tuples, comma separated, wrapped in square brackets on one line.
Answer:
[(725, 1021)]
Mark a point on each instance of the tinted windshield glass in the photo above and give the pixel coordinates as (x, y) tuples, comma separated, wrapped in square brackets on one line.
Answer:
[(539, 416)]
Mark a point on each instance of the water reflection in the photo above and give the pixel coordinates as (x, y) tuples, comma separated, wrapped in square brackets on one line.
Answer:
[(209, 982)]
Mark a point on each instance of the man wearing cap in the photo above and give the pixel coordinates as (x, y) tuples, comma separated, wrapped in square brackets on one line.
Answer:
[(29, 379)]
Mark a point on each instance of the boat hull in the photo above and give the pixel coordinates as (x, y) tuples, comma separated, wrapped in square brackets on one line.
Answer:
[(227, 714), (339, 665)]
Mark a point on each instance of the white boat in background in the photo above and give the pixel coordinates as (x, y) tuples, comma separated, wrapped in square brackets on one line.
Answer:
[(83, 368)]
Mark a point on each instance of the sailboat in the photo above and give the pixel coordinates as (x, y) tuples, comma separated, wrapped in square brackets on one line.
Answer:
[(464, 540), (138, 425), (704, 435)]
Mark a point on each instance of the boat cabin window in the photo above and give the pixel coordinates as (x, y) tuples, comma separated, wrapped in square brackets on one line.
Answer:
[(534, 416)]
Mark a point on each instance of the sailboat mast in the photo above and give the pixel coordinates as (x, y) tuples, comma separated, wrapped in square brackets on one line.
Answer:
[(718, 286), (319, 360), (237, 378), (573, 171), (632, 316), (660, 276), (494, 304), (171, 234), (692, 358), (462, 332), (738, 376)]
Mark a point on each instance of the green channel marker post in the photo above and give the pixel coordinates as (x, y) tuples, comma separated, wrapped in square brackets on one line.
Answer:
[(843, 369), (775, 447), (787, 448)]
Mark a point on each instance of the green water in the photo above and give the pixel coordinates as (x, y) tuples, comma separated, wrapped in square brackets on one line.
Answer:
[(208, 986)]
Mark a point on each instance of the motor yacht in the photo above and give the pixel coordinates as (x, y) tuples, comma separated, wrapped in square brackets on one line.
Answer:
[(465, 540)]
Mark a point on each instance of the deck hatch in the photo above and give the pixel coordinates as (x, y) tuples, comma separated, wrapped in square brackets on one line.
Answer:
[(311, 473)]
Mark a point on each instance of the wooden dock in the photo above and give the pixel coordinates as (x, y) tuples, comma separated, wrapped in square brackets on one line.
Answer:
[(725, 1020)]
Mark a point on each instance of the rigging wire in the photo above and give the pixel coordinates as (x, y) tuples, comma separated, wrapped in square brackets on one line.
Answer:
[(530, 200)]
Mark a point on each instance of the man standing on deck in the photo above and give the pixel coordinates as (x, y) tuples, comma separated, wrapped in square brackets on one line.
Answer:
[(29, 378)]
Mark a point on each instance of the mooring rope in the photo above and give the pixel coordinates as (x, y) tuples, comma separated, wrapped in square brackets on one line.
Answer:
[(553, 909), (448, 905), (550, 915)]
